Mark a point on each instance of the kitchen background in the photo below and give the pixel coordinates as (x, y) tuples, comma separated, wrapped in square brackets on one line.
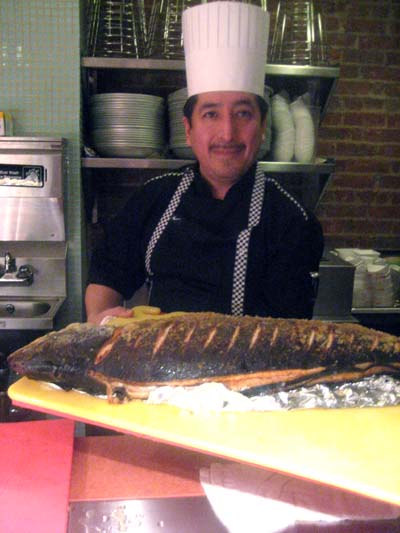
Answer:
[(40, 84)]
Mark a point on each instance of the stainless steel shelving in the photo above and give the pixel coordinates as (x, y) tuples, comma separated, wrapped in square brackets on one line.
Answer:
[(318, 80), (145, 74), (320, 167), (171, 64)]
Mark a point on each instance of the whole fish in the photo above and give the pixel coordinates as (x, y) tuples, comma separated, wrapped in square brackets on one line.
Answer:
[(244, 353)]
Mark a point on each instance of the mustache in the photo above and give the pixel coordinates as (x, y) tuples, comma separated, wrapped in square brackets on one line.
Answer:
[(227, 146)]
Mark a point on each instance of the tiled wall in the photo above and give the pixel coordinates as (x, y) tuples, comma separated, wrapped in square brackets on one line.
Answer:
[(40, 86)]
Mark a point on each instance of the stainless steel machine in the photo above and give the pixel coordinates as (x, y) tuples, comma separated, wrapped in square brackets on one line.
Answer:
[(32, 237), (335, 290)]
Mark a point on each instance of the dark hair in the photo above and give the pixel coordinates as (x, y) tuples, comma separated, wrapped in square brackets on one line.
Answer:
[(191, 102)]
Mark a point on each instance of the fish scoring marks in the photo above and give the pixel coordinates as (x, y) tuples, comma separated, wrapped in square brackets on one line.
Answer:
[(255, 337), (233, 338), (106, 348), (189, 335), (311, 339), (210, 337), (161, 339), (329, 341), (244, 353), (274, 336)]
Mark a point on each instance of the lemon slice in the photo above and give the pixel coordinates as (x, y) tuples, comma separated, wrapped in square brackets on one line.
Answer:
[(142, 312)]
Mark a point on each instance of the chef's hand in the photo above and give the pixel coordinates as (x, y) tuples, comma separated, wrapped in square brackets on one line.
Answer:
[(118, 311), (101, 301)]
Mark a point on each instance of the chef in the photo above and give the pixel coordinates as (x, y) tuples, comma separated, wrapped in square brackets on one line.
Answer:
[(218, 235)]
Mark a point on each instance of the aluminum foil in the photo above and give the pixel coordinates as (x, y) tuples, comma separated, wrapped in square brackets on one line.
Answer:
[(375, 391)]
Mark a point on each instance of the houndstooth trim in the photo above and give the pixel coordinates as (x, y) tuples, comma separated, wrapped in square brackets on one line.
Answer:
[(161, 176), (289, 196), (187, 178), (242, 244)]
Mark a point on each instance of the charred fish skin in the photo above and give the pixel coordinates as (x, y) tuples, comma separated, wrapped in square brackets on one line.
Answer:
[(241, 352), (63, 357), (169, 350), (209, 344)]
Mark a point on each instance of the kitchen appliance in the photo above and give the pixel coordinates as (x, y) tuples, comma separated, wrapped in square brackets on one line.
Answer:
[(335, 289), (32, 237)]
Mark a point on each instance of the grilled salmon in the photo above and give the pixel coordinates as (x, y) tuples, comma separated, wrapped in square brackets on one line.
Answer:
[(246, 354)]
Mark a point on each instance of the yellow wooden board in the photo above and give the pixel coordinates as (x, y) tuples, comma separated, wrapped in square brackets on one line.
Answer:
[(354, 449)]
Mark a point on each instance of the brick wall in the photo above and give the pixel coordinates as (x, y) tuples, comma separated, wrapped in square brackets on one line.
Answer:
[(361, 206)]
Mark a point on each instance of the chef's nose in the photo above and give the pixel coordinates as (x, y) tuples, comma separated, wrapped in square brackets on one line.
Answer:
[(228, 127)]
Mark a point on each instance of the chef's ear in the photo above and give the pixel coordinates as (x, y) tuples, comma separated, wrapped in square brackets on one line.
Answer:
[(188, 129)]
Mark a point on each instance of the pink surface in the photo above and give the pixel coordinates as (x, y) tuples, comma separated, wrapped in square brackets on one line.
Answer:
[(35, 467)]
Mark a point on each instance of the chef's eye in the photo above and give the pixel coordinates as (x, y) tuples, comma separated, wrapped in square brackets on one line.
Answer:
[(244, 113), (210, 114)]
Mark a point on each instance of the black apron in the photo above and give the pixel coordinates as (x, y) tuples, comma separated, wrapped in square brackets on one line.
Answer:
[(238, 276)]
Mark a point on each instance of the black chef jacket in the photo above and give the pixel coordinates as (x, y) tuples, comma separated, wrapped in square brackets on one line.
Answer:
[(192, 263)]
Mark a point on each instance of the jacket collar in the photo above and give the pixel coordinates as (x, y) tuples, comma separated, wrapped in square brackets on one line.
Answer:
[(245, 183)]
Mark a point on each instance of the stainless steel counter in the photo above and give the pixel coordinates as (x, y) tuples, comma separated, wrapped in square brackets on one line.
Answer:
[(167, 515)]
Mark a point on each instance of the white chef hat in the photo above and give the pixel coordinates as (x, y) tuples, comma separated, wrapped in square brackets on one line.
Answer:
[(225, 47)]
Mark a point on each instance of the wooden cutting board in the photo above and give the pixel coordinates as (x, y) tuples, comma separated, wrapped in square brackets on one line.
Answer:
[(354, 449)]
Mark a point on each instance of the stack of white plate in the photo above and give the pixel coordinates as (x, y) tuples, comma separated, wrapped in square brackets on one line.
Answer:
[(128, 125), (177, 138)]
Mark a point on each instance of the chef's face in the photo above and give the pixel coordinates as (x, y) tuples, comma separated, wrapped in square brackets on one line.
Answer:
[(225, 133)]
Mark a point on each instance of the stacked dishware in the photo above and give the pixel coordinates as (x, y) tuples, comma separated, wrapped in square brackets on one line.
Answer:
[(294, 126), (127, 125), (373, 280), (380, 277), (177, 137), (283, 128), (116, 28)]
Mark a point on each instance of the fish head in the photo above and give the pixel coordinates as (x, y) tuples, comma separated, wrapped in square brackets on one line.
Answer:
[(62, 357)]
